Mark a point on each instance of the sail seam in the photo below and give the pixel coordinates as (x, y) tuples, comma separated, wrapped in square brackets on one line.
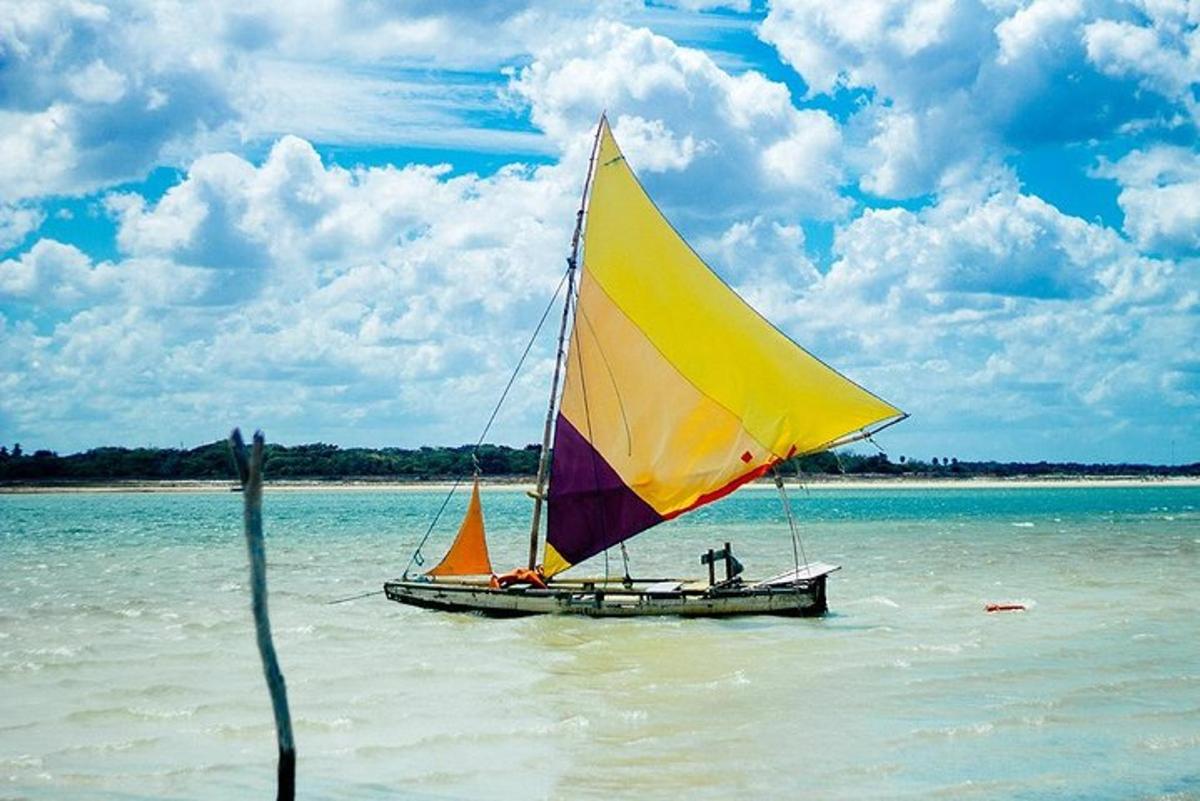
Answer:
[(674, 367)]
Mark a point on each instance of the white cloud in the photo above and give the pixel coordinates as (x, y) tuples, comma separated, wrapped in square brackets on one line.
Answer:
[(1037, 25), (36, 155), (802, 160), (383, 292), (919, 60), (1003, 314), (749, 142), (904, 50), (914, 153), (52, 274), (53, 278), (428, 33), (1163, 55), (957, 87), (1160, 195), (94, 94), (91, 94), (658, 149), (759, 249), (16, 222), (765, 261), (97, 83)]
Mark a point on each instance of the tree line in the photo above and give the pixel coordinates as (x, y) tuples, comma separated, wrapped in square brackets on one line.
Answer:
[(833, 463), (321, 461)]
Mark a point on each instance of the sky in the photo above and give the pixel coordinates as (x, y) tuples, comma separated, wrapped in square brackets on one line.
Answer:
[(340, 221)]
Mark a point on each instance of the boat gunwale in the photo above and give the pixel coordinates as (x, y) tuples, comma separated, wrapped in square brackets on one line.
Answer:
[(804, 599), (556, 591)]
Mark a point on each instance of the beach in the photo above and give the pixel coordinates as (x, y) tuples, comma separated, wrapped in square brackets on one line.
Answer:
[(128, 661)]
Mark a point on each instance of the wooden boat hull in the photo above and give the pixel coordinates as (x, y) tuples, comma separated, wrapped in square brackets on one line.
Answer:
[(798, 599)]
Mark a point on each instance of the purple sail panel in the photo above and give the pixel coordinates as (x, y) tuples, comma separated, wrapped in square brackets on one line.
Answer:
[(591, 508)]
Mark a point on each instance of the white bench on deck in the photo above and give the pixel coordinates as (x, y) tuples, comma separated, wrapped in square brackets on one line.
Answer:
[(806, 572)]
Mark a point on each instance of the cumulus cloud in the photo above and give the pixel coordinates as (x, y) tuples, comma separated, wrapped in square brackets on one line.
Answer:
[(90, 95), (50, 272), (919, 60), (736, 137), (953, 88), (657, 147), (765, 261), (904, 50), (1162, 54), (1160, 195), (380, 304), (1008, 246), (374, 290), (1038, 25), (761, 249), (307, 224), (93, 94), (52, 278), (1006, 313), (16, 222)]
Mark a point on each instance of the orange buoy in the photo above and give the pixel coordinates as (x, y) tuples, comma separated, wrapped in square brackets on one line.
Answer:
[(1005, 608)]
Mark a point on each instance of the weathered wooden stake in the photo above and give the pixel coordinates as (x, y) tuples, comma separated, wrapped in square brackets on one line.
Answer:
[(249, 468)]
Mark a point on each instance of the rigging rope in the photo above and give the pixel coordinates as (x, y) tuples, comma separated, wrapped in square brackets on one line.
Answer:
[(800, 480), (416, 557), (354, 597), (797, 544)]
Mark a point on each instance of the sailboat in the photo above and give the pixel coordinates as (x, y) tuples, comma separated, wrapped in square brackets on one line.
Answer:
[(675, 393)]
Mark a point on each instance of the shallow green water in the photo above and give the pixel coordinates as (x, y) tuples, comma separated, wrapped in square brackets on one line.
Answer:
[(128, 670)]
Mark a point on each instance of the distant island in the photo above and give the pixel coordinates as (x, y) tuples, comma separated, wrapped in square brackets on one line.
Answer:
[(323, 462)]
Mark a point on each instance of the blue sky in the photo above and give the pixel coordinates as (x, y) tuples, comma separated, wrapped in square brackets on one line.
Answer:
[(339, 221)]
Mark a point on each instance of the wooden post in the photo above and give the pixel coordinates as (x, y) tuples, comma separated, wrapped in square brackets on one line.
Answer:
[(249, 468)]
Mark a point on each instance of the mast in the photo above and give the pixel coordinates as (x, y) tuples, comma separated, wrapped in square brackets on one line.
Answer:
[(539, 496)]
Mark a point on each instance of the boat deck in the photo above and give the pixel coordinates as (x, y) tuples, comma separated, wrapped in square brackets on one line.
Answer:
[(787, 594)]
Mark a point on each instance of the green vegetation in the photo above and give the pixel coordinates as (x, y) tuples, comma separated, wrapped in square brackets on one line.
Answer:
[(315, 461), (320, 461), (830, 463)]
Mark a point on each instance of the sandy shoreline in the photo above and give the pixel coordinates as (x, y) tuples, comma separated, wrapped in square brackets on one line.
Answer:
[(509, 485)]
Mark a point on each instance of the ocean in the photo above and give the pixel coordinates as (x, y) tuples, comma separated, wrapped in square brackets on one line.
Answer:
[(128, 668)]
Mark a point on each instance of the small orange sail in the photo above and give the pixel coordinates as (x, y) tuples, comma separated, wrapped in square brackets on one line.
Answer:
[(468, 556)]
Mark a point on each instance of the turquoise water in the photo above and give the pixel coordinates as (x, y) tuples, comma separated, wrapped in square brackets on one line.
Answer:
[(128, 669)]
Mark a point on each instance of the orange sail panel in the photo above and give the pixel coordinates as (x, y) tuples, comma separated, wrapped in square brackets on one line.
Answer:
[(468, 556), (676, 391)]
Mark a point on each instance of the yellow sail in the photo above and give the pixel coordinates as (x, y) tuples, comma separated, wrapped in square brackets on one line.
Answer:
[(676, 391), (468, 556)]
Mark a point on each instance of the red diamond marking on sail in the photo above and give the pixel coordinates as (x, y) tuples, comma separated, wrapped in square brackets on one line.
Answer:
[(747, 456)]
